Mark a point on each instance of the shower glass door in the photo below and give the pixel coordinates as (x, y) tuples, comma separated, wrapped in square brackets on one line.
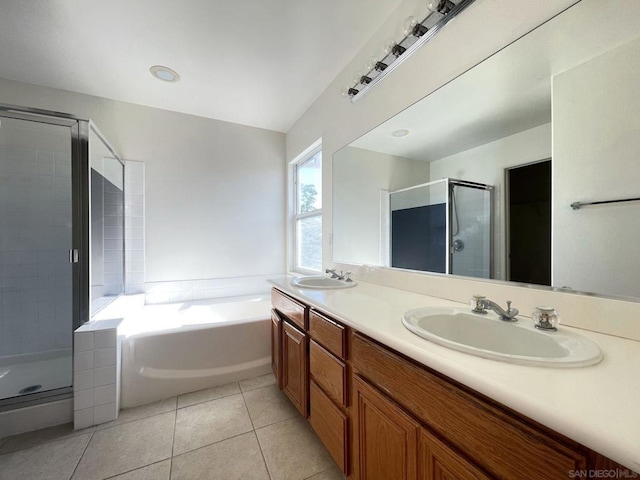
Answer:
[(36, 242), (471, 228)]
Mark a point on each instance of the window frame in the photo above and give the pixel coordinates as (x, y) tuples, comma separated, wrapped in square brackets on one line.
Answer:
[(312, 150)]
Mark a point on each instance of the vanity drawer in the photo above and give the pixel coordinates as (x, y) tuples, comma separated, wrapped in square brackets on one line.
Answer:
[(468, 421), (293, 310), (330, 334), (328, 372), (330, 424)]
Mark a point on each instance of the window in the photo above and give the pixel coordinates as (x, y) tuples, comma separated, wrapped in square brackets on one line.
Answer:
[(308, 212)]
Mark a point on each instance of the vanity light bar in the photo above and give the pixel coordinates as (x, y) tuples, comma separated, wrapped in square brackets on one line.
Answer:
[(420, 34)]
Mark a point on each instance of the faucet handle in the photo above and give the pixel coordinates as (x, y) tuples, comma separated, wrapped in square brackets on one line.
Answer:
[(347, 277), (332, 271), (510, 313), (478, 304)]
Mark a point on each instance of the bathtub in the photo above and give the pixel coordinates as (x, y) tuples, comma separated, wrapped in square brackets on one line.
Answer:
[(172, 349)]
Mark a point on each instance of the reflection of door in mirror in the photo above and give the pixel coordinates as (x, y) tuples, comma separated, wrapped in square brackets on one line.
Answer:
[(529, 223)]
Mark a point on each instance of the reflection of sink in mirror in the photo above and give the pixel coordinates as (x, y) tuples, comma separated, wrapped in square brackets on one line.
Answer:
[(320, 282), (489, 337), (494, 125)]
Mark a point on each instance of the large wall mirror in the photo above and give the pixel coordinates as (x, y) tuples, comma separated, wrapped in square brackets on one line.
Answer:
[(495, 174)]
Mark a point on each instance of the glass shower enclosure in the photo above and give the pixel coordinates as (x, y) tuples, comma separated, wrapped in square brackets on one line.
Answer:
[(443, 227), (50, 170)]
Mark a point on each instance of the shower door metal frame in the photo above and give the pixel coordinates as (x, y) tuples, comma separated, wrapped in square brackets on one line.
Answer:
[(79, 129)]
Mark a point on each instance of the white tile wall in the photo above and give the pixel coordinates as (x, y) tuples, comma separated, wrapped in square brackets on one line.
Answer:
[(184, 291), (96, 377), (134, 226), (35, 275)]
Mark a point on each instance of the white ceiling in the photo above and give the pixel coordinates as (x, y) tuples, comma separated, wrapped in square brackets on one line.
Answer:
[(511, 91), (255, 62)]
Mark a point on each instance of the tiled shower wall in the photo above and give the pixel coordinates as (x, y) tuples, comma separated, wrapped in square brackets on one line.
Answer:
[(134, 226), (35, 235), (473, 227)]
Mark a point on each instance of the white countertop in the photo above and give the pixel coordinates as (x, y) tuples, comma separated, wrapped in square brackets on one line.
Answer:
[(597, 406)]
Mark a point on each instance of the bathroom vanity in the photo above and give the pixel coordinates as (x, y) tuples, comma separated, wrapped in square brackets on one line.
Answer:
[(389, 405)]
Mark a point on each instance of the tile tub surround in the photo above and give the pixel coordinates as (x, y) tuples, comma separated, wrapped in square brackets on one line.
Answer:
[(202, 289), (149, 441), (576, 402)]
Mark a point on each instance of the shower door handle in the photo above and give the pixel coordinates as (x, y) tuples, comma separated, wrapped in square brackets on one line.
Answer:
[(74, 255)]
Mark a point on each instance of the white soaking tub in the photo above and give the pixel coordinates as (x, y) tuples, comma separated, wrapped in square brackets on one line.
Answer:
[(172, 349)]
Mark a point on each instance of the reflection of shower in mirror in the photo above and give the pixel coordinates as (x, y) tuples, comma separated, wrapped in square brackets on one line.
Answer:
[(424, 219)]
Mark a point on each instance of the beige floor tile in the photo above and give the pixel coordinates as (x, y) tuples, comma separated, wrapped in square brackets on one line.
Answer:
[(292, 451), (126, 447), (333, 473), (210, 422), (257, 382), (157, 471), (49, 461), (237, 458), (143, 411), (207, 395), (268, 405), (37, 437)]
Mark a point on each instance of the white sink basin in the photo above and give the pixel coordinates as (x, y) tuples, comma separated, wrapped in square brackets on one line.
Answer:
[(321, 282), (489, 337)]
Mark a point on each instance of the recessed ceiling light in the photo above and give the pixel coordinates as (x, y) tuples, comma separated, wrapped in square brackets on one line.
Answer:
[(400, 133), (164, 73)]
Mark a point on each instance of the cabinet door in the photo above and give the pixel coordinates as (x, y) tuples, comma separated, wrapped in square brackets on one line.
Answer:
[(276, 351), (439, 462), (385, 437), (295, 376)]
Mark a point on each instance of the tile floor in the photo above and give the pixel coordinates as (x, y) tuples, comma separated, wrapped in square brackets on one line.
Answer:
[(245, 431)]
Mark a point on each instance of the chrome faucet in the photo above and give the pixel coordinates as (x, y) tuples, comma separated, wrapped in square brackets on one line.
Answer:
[(346, 276), (480, 304), (332, 272)]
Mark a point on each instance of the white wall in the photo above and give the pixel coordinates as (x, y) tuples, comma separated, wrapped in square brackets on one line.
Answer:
[(214, 190), (487, 164), (363, 174), (596, 152)]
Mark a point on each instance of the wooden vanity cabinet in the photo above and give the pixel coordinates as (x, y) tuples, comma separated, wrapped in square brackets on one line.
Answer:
[(439, 462), (329, 396), (383, 416), (276, 351), (391, 444), (295, 379), (477, 432), (289, 343), (385, 437)]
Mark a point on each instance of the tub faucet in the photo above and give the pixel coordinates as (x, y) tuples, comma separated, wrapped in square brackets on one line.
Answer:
[(480, 304)]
